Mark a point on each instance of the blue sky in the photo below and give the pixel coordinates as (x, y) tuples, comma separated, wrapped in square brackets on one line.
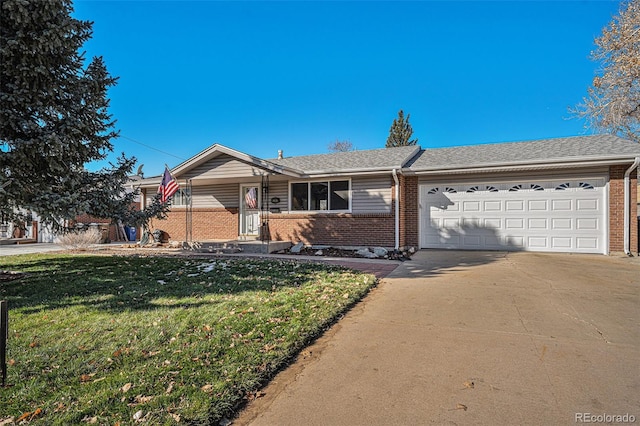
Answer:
[(263, 76)]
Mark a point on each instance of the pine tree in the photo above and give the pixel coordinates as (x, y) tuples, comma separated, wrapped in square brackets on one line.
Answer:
[(613, 101), (54, 119), (400, 132)]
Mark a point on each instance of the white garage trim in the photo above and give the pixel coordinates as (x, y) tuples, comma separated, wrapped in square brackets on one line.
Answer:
[(556, 215)]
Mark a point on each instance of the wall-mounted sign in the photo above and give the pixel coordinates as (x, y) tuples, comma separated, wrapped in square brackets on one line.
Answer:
[(275, 200)]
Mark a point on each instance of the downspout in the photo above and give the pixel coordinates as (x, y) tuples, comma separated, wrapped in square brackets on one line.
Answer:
[(627, 208), (397, 215)]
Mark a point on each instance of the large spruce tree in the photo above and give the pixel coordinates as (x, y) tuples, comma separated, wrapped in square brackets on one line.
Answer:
[(54, 119), (400, 132)]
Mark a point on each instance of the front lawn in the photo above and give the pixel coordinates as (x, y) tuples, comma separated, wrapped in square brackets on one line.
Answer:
[(121, 340)]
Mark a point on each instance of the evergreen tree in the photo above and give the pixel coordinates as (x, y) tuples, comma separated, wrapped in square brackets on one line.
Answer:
[(613, 101), (54, 119), (400, 132)]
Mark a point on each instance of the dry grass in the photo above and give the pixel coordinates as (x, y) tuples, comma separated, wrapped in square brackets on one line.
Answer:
[(80, 239)]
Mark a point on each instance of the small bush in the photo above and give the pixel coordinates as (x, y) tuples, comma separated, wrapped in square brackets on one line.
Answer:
[(81, 239)]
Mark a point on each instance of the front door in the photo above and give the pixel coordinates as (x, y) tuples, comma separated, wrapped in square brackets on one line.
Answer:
[(250, 210)]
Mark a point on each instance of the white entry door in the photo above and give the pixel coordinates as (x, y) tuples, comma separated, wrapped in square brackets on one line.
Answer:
[(250, 210), (563, 215)]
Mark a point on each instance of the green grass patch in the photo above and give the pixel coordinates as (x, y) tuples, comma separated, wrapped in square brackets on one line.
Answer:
[(108, 340)]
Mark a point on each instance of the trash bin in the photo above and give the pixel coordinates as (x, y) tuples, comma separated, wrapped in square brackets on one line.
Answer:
[(131, 233)]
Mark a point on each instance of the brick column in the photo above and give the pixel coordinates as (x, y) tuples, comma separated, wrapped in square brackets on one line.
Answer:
[(409, 211), (616, 209)]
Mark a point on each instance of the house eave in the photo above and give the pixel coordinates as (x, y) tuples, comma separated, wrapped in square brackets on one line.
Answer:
[(349, 172), (217, 149), (550, 164)]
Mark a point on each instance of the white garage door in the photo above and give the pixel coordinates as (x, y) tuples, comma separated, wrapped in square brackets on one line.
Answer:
[(563, 215)]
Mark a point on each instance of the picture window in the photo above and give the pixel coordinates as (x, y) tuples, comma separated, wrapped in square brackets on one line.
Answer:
[(320, 196)]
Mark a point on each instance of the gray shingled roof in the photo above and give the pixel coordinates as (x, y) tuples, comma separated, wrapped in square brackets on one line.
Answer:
[(375, 159), (576, 148)]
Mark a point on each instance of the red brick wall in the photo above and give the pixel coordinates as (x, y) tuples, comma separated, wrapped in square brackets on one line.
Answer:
[(87, 219), (344, 229), (207, 224), (403, 210), (409, 216), (616, 209)]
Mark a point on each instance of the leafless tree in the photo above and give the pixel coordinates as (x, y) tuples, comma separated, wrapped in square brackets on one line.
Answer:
[(340, 146), (613, 101)]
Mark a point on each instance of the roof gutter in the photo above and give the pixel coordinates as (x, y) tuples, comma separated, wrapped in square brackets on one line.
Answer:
[(627, 207), (518, 167), (397, 208)]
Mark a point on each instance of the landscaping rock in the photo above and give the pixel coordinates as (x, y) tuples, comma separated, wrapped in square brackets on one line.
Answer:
[(319, 253), (380, 251), (366, 253), (297, 248)]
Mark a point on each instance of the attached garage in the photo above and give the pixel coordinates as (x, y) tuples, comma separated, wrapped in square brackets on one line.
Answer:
[(554, 215)]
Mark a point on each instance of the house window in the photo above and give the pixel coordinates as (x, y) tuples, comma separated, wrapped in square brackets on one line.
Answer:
[(299, 196), (180, 198), (339, 195), (320, 196)]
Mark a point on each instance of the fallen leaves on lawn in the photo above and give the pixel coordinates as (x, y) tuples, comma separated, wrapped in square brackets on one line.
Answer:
[(126, 387), (28, 416), (207, 388), (86, 378), (251, 396), (140, 399)]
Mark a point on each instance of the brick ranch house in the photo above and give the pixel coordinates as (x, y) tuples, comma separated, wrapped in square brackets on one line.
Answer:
[(558, 195)]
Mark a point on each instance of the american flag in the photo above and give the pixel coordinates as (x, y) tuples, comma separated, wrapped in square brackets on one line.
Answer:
[(251, 199), (168, 186)]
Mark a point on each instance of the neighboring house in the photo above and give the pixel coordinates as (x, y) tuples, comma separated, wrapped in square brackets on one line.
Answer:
[(563, 195)]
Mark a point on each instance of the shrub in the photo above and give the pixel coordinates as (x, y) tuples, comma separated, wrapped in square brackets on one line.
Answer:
[(81, 239)]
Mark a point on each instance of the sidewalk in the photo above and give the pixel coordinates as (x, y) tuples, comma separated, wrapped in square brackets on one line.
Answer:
[(13, 249)]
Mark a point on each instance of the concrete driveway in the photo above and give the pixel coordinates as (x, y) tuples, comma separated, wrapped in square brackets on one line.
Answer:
[(482, 338)]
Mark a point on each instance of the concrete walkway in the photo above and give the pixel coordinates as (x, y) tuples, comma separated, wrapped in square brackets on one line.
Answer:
[(482, 338), (12, 249)]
